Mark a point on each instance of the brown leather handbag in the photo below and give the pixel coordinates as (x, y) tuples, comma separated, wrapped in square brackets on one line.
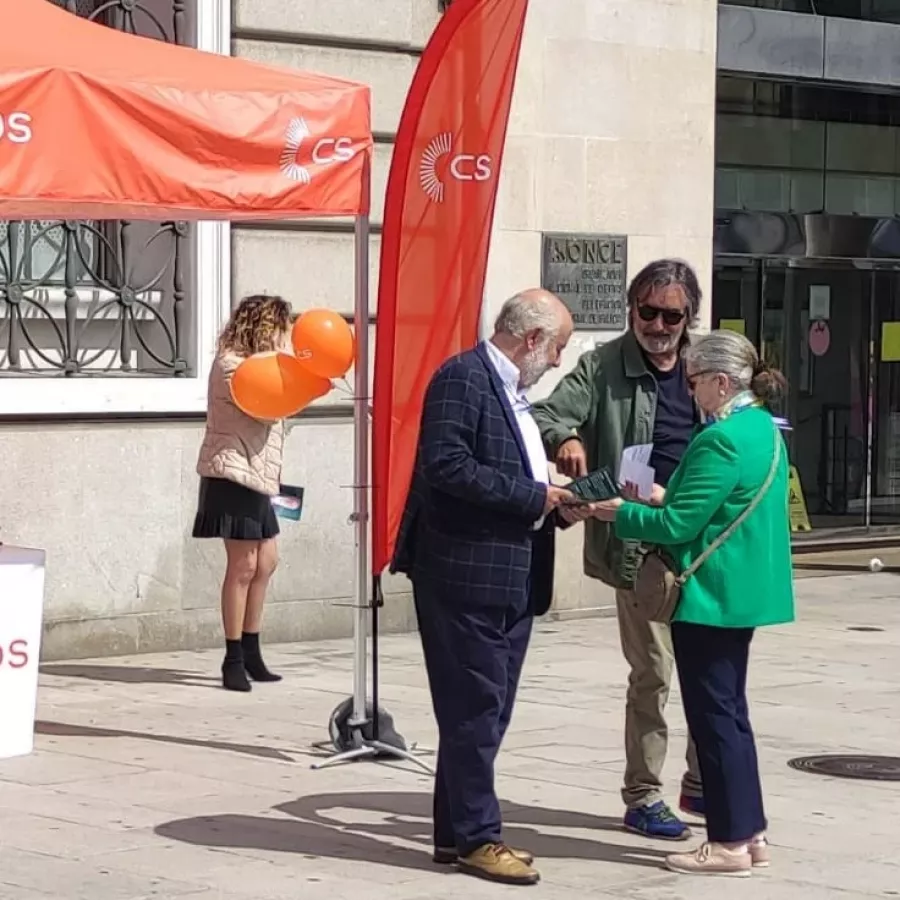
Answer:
[(657, 587)]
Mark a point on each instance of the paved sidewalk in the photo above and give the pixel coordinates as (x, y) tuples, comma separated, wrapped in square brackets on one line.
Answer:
[(151, 781)]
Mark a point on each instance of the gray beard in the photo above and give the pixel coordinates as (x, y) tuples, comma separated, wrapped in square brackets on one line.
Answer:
[(657, 346), (533, 367)]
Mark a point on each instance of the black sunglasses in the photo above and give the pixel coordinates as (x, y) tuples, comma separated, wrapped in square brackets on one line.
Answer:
[(669, 316)]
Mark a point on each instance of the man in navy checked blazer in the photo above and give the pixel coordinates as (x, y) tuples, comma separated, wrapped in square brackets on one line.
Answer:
[(477, 540)]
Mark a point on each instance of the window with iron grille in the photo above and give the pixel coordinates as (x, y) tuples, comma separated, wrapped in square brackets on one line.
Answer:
[(102, 299)]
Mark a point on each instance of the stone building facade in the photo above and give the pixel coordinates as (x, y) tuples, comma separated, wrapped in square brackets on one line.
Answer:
[(611, 132)]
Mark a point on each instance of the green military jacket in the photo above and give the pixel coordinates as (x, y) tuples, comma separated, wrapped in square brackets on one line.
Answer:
[(608, 401), (747, 581)]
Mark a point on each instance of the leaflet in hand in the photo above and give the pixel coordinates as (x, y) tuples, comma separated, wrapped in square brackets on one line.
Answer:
[(596, 486), (635, 468), (640, 453), (288, 503)]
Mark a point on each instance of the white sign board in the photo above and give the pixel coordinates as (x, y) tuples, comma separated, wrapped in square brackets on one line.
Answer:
[(21, 620), (819, 302)]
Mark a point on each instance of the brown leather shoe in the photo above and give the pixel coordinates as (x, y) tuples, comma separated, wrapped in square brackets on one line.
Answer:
[(448, 856), (496, 862)]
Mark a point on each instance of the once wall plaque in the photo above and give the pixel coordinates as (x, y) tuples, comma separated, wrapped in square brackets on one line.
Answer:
[(587, 272)]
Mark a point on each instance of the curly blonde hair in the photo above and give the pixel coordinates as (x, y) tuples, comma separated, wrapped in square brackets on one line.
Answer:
[(257, 325)]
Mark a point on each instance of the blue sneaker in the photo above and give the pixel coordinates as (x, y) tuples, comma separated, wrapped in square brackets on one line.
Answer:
[(693, 806), (656, 821)]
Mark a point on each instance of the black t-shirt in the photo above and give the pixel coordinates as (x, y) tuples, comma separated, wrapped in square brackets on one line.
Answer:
[(676, 417)]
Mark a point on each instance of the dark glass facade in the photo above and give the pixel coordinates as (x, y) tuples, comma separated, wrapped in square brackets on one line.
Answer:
[(873, 10), (807, 264), (798, 148)]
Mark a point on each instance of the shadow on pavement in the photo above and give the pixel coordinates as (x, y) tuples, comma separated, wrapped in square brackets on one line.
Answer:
[(62, 729), (129, 674), (312, 831)]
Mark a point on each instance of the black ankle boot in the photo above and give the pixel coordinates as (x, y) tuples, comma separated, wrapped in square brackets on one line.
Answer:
[(253, 661), (234, 678)]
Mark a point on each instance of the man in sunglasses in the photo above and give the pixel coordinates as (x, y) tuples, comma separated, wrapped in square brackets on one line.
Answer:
[(633, 390)]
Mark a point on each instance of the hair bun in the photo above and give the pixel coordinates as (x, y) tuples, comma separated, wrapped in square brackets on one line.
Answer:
[(768, 384)]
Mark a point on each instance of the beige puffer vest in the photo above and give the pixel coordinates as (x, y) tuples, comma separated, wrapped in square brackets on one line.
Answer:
[(237, 447)]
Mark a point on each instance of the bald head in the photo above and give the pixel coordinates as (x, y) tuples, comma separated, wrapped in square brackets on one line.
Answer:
[(532, 329), (532, 310)]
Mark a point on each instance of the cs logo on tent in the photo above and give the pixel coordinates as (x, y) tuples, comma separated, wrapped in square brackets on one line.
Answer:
[(439, 161), (326, 151), (16, 127), (297, 133)]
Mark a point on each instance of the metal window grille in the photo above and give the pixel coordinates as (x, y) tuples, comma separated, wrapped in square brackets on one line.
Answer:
[(92, 298)]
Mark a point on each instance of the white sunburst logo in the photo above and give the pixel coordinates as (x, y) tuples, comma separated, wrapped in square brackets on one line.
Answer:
[(428, 175), (297, 132)]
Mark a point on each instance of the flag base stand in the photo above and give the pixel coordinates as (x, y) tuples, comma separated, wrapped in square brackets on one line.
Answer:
[(360, 730), (372, 750)]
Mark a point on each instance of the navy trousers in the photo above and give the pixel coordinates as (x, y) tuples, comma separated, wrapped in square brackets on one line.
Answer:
[(712, 669), (474, 658)]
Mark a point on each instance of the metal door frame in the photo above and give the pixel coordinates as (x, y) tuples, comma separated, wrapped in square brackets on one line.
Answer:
[(762, 265)]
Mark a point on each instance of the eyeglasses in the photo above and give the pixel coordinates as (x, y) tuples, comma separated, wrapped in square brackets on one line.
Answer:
[(692, 379), (669, 316)]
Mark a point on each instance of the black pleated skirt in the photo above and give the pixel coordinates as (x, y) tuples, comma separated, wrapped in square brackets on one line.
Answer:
[(232, 512)]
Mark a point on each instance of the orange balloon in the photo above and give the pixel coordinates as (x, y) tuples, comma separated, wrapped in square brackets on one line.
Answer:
[(275, 385), (324, 343)]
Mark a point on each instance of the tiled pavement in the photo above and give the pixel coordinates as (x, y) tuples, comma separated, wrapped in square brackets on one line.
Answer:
[(150, 781)]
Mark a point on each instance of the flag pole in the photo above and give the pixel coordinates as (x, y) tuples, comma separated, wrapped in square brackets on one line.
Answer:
[(356, 720)]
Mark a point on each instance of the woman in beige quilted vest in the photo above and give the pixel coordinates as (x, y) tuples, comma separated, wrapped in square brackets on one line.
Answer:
[(240, 472)]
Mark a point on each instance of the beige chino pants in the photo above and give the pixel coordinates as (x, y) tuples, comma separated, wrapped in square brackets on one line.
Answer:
[(647, 647)]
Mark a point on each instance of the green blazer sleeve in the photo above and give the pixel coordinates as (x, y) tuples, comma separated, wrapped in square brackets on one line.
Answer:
[(568, 408), (706, 477)]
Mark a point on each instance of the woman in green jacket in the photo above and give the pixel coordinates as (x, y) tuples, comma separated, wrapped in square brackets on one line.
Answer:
[(745, 583)]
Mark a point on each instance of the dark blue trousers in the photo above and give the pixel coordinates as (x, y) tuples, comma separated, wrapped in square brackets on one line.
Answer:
[(474, 657), (712, 669)]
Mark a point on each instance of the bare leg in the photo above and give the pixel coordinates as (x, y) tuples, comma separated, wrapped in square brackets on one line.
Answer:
[(266, 563), (239, 572)]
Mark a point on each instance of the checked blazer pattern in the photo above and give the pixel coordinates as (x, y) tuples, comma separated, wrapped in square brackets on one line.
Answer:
[(468, 526)]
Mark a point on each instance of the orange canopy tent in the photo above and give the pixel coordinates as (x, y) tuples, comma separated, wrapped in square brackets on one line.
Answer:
[(98, 124), (95, 123)]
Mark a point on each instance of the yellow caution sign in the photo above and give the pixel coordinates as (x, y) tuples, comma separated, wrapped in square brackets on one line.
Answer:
[(796, 504), (739, 326)]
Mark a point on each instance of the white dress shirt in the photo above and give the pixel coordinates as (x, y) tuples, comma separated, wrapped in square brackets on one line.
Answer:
[(521, 407)]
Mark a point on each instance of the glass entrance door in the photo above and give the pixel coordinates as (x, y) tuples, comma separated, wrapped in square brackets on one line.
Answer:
[(815, 328), (885, 502), (737, 286), (833, 328)]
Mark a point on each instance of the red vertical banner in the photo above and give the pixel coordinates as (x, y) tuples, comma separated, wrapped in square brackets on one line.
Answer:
[(439, 209)]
